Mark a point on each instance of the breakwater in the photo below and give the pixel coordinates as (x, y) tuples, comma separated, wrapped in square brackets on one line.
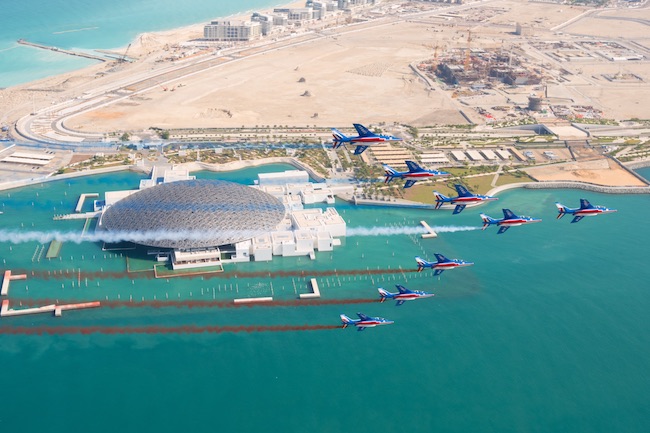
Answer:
[(589, 187)]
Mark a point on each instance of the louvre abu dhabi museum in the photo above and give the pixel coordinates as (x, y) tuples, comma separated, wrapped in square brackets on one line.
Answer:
[(198, 223)]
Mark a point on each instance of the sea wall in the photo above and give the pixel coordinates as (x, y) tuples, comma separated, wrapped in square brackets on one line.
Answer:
[(589, 187), (52, 177), (633, 165)]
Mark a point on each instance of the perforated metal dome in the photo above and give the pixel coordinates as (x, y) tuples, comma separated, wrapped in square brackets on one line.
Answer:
[(193, 214)]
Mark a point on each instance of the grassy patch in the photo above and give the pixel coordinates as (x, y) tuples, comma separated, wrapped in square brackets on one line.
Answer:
[(505, 179)]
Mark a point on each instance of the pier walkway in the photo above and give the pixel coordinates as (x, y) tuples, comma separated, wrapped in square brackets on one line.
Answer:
[(61, 50), (315, 291), (7, 278), (82, 199), (56, 309)]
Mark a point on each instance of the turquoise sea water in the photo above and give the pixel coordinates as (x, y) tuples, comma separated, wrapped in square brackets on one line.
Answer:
[(547, 332), (85, 26)]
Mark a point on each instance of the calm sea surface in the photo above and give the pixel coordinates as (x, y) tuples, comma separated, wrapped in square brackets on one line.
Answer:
[(547, 332), (85, 26)]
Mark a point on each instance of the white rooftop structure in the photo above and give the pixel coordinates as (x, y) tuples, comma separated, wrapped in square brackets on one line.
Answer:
[(503, 154), (458, 155), (434, 158), (29, 158), (317, 220), (474, 155), (488, 154)]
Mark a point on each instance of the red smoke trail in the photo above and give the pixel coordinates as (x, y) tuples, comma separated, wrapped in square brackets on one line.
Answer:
[(95, 275), (196, 303), (186, 329)]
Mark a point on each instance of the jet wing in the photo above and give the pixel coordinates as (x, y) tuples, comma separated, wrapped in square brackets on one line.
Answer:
[(503, 229), (577, 218), (361, 328), (362, 130), (359, 150), (438, 271), (413, 167), (459, 208), (399, 302), (409, 183)]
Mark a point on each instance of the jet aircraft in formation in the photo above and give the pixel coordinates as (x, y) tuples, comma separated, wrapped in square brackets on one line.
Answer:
[(403, 294), (509, 220), (365, 138), (585, 209), (464, 198), (441, 264), (364, 321), (414, 173)]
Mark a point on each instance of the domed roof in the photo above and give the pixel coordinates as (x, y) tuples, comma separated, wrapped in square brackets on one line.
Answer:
[(193, 214)]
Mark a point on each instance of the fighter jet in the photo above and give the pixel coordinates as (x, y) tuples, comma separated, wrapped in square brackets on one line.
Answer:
[(509, 219), (441, 265), (363, 140), (585, 209), (403, 294), (414, 174), (464, 198), (364, 321)]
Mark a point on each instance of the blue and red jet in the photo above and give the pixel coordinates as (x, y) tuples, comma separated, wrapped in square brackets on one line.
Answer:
[(509, 220), (464, 198), (414, 174), (363, 140), (585, 209), (403, 294), (442, 264), (364, 321)]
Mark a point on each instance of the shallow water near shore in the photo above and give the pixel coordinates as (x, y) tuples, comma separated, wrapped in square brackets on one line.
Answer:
[(86, 26), (547, 332)]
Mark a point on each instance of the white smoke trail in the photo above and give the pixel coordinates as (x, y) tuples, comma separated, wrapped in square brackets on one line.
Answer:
[(389, 231), (17, 237)]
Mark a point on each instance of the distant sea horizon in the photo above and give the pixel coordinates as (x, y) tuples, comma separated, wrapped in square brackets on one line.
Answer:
[(84, 26)]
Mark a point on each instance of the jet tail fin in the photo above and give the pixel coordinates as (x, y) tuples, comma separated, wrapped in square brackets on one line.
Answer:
[(339, 138), (390, 173), (384, 294), (346, 320), (561, 209), (487, 220), (421, 263), (440, 199)]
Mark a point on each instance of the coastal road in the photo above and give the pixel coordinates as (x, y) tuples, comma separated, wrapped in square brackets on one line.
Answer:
[(48, 125)]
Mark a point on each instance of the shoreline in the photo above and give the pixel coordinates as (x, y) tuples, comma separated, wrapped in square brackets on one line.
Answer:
[(171, 32), (239, 165)]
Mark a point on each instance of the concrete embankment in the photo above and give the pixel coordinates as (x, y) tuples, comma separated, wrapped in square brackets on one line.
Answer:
[(573, 185)]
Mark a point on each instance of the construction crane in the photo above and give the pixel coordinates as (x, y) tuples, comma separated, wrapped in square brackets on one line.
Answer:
[(468, 51), (123, 58)]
